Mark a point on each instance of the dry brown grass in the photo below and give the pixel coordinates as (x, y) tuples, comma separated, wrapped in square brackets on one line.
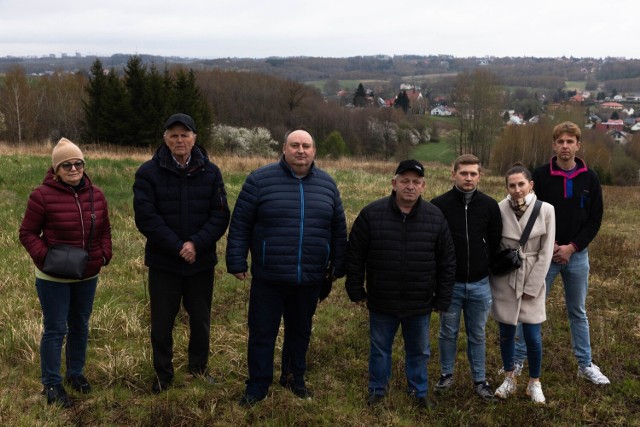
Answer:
[(119, 361), (226, 162), (96, 151)]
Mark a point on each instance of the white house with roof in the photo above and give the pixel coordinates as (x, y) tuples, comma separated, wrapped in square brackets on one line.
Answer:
[(622, 138), (440, 110)]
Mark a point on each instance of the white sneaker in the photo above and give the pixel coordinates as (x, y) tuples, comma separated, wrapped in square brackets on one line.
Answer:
[(534, 390), (593, 374), (507, 388)]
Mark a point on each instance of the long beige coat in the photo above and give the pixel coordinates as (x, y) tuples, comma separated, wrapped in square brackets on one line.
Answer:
[(508, 306)]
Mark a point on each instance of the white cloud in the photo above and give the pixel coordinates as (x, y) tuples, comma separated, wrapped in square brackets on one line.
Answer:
[(220, 28)]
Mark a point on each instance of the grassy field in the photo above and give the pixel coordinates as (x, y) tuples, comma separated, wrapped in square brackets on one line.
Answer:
[(119, 359), (575, 85)]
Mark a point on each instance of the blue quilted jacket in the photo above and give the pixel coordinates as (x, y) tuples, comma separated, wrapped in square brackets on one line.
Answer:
[(293, 227)]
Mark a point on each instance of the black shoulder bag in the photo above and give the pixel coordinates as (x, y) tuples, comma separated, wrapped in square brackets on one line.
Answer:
[(68, 261), (507, 260)]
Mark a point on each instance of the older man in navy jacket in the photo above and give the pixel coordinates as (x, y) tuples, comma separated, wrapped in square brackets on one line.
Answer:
[(289, 215), (181, 208)]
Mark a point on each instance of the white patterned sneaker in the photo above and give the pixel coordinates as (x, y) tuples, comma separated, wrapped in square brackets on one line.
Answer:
[(534, 390), (507, 388), (593, 374), (517, 369)]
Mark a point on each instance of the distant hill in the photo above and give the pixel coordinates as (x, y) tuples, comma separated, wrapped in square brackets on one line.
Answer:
[(540, 74)]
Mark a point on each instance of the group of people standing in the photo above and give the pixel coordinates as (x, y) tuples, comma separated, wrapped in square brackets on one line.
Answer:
[(568, 219), (404, 258)]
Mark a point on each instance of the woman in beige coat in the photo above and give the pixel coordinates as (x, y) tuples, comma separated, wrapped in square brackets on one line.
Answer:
[(519, 296)]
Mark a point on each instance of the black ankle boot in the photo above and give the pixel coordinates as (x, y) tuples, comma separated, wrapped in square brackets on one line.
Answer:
[(57, 395), (79, 383)]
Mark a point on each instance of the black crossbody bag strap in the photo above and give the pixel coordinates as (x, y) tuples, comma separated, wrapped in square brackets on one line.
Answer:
[(529, 226)]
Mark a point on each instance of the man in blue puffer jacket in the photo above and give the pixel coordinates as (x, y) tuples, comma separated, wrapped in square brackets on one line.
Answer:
[(289, 215)]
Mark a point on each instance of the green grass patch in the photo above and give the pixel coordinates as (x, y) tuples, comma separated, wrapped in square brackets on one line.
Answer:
[(442, 151), (575, 85)]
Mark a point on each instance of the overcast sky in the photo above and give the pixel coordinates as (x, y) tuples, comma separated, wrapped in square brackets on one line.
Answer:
[(327, 28)]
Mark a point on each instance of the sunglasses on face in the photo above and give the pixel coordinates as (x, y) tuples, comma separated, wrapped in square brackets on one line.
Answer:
[(78, 165)]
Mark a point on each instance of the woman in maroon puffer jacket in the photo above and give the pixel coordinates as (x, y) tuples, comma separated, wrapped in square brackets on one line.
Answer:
[(59, 211)]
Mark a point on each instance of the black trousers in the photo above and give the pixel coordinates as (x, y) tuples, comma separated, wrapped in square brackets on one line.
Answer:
[(166, 292), (268, 304)]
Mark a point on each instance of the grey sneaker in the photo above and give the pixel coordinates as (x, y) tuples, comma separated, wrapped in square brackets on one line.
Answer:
[(444, 382), (484, 390), (593, 374), (517, 368)]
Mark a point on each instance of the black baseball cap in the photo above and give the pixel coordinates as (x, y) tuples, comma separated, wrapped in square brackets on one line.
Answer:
[(410, 165), (183, 119)]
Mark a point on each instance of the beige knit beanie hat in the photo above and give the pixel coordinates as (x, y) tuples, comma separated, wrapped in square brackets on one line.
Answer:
[(63, 151)]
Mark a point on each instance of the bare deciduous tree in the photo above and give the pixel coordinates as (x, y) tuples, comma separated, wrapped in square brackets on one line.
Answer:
[(479, 101)]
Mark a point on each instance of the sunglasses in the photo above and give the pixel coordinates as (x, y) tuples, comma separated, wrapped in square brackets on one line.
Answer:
[(78, 165)]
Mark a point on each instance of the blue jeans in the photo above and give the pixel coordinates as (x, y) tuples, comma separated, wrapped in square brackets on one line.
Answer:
[(533, 338), (575, 278), (66, 308), (474, 299), (415, 332)]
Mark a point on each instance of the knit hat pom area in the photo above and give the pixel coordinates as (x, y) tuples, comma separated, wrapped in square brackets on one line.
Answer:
[(63, 151)]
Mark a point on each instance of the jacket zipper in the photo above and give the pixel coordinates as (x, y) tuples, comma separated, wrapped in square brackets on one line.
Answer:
[(466, 230), (301, 231), (81, 218)]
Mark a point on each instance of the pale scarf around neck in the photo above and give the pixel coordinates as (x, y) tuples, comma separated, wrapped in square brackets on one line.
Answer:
[(520, 206)]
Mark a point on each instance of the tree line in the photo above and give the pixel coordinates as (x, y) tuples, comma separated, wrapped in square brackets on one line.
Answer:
[(248, 113), (128, 107)]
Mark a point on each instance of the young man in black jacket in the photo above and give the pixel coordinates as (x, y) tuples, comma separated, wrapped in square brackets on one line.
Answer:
[(476, 227)]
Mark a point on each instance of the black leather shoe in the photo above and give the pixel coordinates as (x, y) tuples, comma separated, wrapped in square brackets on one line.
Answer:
[(248, 400), (79, 383), (207, 378), (57, 395), (422, 403), (159, 385), (374, 399), (299, 389)]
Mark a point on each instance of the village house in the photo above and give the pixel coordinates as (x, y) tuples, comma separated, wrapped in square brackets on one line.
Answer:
[(441, 110), (610, 125), (622, 138), (611, 106)]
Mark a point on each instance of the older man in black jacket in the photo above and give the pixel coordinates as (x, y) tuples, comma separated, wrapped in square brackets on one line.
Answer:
[(181, 208), (402, 248)]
